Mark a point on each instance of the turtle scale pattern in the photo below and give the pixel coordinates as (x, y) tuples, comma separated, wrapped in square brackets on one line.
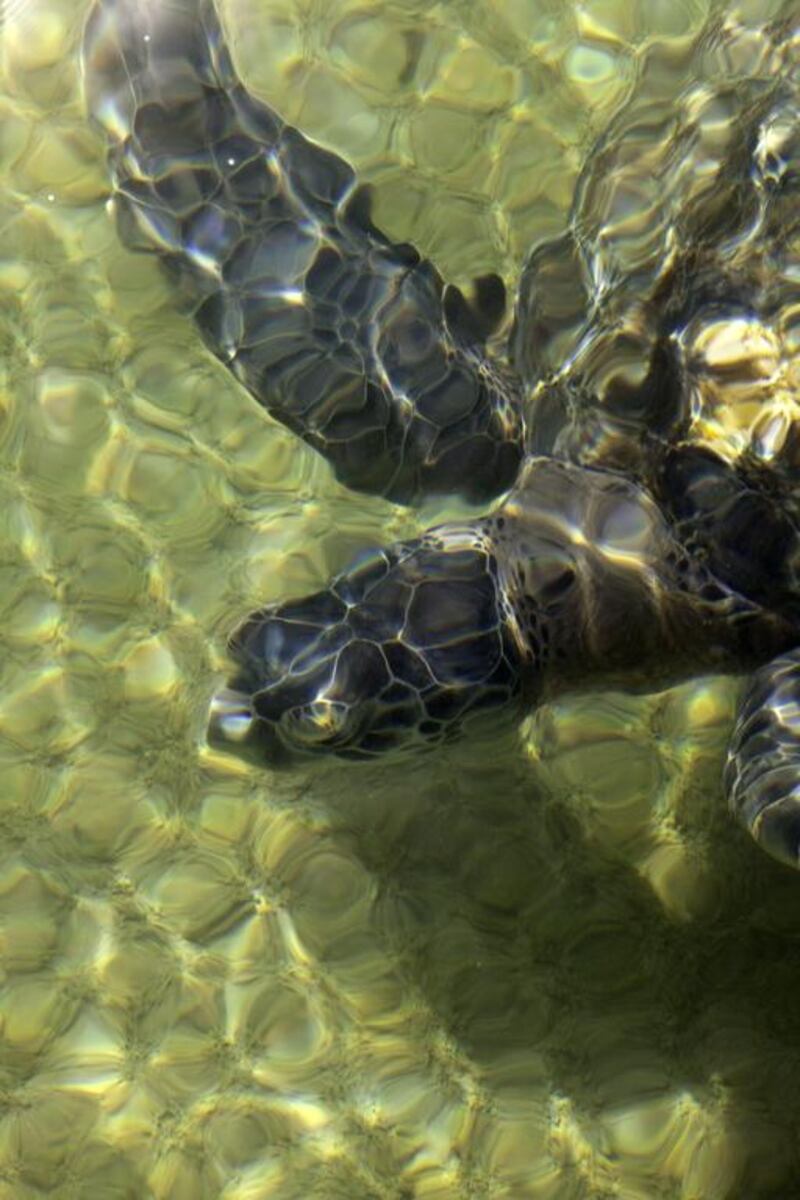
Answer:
[(632, 550)]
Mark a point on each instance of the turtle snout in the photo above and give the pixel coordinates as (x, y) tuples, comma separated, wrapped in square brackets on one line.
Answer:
[(300, 685), (233, 727)]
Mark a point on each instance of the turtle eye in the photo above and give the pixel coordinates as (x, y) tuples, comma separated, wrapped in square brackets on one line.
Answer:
[(320, 723)]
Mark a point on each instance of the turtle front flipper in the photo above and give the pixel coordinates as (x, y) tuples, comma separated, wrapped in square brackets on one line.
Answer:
[(762, 773), (351, 341)]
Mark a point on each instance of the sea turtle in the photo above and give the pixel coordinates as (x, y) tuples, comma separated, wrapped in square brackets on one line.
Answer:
[(629, 551)]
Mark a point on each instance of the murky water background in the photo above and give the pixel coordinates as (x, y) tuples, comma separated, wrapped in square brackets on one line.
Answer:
[(546, 966)]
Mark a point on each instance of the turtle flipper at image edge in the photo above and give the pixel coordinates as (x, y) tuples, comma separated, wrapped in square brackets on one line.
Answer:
[(633, 550), (762, 773)]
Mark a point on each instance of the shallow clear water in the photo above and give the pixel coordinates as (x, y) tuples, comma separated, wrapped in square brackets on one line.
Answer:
[(544, 966)]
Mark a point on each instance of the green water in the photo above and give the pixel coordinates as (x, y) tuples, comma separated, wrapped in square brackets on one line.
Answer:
[(544, 966)]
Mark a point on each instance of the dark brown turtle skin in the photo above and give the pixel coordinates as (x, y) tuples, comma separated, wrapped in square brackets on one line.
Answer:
[(352, 342), (631, 551)]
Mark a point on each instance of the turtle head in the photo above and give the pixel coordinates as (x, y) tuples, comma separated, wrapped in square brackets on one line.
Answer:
[(397, 652)]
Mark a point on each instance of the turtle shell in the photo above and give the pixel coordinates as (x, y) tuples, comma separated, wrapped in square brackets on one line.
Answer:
[(668, 313)]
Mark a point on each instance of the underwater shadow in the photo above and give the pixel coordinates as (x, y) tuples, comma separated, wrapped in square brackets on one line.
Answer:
[(556, 968)]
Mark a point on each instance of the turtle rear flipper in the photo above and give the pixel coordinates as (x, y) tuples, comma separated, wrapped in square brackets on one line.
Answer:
[(762, 773)]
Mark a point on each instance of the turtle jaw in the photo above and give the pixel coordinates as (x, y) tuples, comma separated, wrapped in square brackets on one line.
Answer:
[(234, 726)]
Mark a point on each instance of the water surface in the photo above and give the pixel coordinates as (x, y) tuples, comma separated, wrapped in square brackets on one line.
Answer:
[(544, 966)]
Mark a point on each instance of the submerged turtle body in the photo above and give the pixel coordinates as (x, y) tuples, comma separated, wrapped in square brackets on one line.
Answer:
[(628, 553)]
